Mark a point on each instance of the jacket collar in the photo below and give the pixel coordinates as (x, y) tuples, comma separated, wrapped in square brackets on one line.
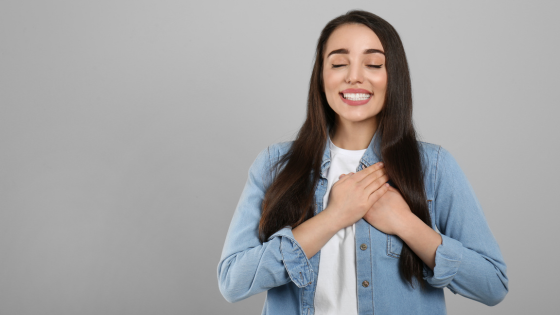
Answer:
[(371, 156)]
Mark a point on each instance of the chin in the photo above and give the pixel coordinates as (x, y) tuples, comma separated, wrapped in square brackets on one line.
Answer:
[(356, 119)]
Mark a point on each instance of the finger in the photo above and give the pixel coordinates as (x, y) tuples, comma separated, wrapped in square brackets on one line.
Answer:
[(368, 170), (366, 181), (343, 177), (378, 193), (376, 184)]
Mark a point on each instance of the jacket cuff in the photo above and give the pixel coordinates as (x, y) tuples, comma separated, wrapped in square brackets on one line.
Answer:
[(448, 259), (295, 261)]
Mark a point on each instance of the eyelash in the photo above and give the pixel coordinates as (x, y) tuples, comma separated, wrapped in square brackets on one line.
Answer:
[(371, 66)]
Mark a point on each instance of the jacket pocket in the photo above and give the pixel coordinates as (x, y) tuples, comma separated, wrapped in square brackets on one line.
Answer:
[(395, 243), (394, 246)]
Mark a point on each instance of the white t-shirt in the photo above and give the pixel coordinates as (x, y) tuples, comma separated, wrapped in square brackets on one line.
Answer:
[(336, 283)]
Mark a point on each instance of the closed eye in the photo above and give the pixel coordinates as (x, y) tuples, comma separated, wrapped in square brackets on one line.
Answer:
[(370, 66)]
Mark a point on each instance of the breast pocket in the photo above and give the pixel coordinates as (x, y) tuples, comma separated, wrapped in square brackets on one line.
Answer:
[(395, 243), (394, 246)]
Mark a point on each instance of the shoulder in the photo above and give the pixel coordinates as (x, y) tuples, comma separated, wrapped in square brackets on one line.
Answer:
[(441, 164), (262, 171), (275, 151), (429, 153), (280, 148), (435, 154), (429, 150), (268, 156)]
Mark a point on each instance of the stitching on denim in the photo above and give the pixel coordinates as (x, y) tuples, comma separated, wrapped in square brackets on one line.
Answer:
[(314, 288), (435, 172), (300, 251), (390, 253), (284, 263), (371, 274), (431, 211), (304, 283), (448, 258), (435, 181), (456, 268), (302, 300), (267, 170)]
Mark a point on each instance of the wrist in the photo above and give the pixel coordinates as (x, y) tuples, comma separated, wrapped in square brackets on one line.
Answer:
[(333, 218), (409, 224)]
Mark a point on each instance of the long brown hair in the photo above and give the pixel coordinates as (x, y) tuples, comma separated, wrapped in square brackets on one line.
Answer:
[(289, 199)]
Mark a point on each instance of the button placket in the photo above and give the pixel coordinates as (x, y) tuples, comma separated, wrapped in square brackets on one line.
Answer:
[(364, 270)]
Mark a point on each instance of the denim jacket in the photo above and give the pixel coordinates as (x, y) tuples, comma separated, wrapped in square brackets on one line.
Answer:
[(468, 261)]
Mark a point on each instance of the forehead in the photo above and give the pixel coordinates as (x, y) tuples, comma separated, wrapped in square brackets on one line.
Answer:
[(353, 37)]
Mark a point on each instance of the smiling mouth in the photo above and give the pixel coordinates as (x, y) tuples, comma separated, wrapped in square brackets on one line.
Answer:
[(356, 96)]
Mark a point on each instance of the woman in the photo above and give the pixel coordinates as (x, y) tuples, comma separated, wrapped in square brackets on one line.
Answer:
[(327, 228)]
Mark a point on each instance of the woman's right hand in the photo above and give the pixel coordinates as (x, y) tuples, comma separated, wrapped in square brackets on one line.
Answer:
[(355, 193)]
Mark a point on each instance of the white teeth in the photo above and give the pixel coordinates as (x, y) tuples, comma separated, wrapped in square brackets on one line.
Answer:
[(356, 96)]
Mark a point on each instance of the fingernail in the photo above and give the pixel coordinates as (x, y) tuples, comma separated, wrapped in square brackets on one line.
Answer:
[(381, 164)]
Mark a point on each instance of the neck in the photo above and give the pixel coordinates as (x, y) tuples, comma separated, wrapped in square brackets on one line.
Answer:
[(354, 135)]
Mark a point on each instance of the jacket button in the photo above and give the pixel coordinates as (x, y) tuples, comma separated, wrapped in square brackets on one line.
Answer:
[(365, 284), (363, 247)]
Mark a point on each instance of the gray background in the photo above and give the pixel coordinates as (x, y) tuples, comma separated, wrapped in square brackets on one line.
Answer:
[(127, 129)]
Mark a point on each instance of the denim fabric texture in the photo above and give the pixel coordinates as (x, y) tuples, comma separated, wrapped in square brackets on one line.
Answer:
[(468, 262)]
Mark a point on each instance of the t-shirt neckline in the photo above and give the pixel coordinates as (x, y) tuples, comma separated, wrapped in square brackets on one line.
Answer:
[(338, 150)]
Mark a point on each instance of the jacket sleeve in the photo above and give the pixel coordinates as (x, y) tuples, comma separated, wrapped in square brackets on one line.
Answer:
[(247, 266), (468, 261)]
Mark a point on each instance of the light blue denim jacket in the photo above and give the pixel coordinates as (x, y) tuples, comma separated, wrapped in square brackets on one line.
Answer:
[(468, 261)]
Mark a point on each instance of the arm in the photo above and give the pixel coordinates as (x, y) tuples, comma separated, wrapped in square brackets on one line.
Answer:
[(247, 266), (421, 239), (314, 233), (350, 197), (468, 261), (392, 215)]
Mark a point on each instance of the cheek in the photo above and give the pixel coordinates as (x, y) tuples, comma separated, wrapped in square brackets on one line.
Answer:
[(380, 83), (328, 82), (331, 89)]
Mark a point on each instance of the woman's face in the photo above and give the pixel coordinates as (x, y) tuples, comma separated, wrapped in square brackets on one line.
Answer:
[(354, 74)]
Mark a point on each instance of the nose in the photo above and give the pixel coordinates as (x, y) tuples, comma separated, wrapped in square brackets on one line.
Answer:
[(355, 74)]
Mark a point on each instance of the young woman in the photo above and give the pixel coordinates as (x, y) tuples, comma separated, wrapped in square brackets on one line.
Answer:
[(327, 228)]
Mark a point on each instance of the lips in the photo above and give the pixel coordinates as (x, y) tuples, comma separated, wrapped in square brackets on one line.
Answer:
[(356, 91), (355, 97)]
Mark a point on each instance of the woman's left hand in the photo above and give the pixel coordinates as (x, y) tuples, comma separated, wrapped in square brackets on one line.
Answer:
[(389, 213)]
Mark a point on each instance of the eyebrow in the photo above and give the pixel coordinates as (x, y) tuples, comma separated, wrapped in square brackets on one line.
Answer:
[(345, 51)]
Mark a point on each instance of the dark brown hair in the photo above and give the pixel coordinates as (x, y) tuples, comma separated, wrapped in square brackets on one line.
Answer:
[(289, 199)]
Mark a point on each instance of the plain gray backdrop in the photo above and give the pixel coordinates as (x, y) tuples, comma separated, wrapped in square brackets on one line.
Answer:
[(127, 129)]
